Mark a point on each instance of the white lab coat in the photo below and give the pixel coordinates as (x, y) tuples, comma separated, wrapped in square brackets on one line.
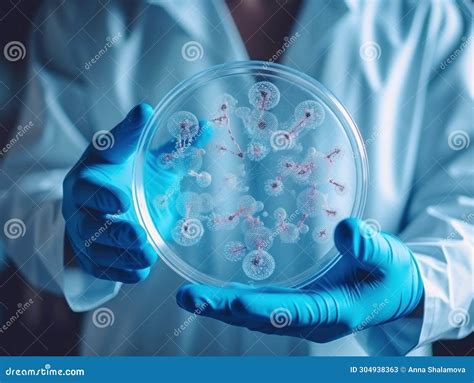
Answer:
[(404, 96)]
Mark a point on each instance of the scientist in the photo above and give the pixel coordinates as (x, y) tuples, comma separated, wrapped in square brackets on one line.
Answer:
[(403, 70)]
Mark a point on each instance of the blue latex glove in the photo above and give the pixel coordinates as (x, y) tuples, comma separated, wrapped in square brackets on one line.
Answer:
[(101, 227), (376, 281), (96, 192)]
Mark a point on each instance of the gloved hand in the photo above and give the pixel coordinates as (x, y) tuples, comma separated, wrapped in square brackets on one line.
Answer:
[(101, 227), (96, 192), (376, 281)]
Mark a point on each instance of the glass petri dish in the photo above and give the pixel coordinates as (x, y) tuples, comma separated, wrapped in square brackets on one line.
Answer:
[(244, 171)]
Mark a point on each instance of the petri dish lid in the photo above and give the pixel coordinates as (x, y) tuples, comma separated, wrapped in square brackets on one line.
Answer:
[(243, 172)]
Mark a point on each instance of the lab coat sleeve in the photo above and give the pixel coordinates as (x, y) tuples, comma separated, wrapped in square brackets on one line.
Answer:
[(33, 167), (439, 224)]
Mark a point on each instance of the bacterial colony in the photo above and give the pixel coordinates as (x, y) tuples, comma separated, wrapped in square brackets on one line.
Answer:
[(308, 171)]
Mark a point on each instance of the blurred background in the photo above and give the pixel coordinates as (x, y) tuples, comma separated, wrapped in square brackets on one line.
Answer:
[(49, 327)]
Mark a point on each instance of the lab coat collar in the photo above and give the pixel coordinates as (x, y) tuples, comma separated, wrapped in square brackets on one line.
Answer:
[(186, 13), (190, 15)]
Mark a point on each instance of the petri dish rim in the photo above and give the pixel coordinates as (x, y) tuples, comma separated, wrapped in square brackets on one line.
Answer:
[(249, 68)]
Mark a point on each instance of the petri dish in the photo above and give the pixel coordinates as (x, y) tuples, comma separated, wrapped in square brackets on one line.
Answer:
[(244, 171)]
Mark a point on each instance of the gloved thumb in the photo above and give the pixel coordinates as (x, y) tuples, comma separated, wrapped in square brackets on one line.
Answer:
[(360, 240), (117, 145)]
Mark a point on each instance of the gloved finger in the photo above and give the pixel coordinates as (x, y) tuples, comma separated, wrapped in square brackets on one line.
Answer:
[(208, 301), (211, 296), (115, 257), (260, 310), (110, 231), (112, 273), (117, 145), (371, 248), (94, 190)]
